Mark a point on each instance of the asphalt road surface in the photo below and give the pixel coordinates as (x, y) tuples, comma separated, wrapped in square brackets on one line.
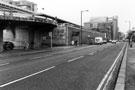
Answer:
[(82, 69)]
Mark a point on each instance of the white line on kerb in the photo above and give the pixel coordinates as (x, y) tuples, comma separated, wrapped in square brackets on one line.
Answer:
[(109, 78), (4, 64), (17, 80), (74, 59), (108, 73)]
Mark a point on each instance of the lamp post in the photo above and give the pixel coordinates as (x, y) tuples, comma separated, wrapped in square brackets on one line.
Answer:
[(81, 24)]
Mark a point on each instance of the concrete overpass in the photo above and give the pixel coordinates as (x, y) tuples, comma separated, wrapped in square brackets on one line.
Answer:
[(20, 26)]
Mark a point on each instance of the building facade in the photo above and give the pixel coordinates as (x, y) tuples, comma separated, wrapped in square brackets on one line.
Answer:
[(65, 33), (24, 4), (7, 1), (107, 25)]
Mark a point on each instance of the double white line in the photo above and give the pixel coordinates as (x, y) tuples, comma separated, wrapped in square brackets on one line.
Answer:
[(3, 64), (108, 75)]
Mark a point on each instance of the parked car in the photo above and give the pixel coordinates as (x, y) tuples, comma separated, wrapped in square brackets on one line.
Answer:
[(114, 41), (104, 41), (7, 45)]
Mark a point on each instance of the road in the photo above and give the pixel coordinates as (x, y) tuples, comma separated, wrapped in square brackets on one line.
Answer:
[(71, 70)]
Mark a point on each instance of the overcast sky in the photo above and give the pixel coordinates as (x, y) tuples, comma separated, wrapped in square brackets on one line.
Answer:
[(70, 10)]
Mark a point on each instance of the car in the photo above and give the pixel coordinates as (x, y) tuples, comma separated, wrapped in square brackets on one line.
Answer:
[(114, 41), (7, 45), (104, 41)]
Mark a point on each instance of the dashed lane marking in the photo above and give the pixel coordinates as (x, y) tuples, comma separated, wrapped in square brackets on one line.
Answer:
[(17, 80), (4, 64), (92, 53), (75, 59)]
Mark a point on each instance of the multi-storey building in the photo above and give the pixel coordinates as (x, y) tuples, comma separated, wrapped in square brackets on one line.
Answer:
[(107, 25), (26, 5), (6, 1)]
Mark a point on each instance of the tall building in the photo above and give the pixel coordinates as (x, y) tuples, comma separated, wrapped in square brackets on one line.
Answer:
[(24, 4), (6, 1), (107, 25), (95, 22)]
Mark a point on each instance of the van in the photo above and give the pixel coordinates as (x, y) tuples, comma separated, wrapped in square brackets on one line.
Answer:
[(98, 40)]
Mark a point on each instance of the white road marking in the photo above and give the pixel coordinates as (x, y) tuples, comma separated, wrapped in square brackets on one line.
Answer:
[(110, 76), (92, 53), (40, 57), (4, 64), (108, 73), (75, 59), (17, 80)]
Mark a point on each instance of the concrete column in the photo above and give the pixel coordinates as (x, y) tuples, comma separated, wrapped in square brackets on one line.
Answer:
[(13, 30), (31, 39), (1, 40), (38, 39), (67, 36)]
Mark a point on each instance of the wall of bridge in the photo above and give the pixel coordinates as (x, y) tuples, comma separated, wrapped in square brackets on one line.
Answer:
[(23, 36), (38, 39), (59, 36), (19, 37), (8, 35), (73, 34)]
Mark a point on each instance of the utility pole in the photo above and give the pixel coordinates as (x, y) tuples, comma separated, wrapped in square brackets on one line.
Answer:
[(81, 25)]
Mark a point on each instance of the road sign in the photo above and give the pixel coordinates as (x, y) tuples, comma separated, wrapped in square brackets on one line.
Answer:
[(50, 34)]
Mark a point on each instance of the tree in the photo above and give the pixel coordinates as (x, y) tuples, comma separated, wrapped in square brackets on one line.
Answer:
[(130, 36)]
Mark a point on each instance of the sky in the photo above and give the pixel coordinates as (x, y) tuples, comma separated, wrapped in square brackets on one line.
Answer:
[(70, 10)]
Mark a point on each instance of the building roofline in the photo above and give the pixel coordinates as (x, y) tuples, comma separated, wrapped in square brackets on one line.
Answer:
[(58, 19)]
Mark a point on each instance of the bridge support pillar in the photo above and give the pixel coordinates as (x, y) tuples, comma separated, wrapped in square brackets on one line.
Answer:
[(31, 39), (1, 40)]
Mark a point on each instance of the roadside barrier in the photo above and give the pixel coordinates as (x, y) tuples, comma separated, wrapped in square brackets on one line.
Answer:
[(120, 83), (112, 79)]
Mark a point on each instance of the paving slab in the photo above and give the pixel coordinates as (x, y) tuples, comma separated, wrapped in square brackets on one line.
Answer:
[(130, 69)]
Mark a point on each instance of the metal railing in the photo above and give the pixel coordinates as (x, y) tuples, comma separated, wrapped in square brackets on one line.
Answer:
[(26, 17)]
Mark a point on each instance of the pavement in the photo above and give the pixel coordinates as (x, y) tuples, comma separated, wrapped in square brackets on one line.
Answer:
[(21, 52), (130, 69)]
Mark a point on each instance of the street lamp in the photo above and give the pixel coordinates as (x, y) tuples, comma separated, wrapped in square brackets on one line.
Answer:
[(81, 24)]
